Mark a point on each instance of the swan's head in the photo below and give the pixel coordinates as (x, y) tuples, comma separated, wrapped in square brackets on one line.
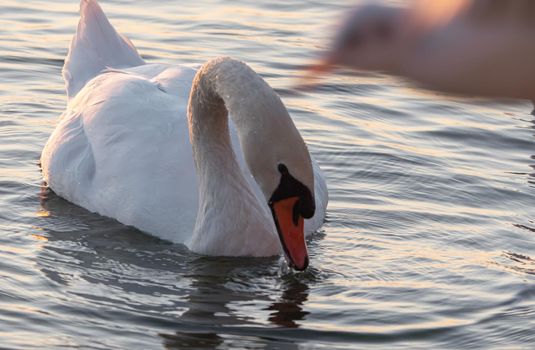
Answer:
[(369, 39), (291, 202), (281, 165)]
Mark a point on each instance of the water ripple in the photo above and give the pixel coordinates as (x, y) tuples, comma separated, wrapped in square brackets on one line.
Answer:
[(429, 236)]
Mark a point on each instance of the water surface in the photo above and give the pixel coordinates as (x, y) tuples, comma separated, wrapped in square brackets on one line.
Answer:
[(429, 240)]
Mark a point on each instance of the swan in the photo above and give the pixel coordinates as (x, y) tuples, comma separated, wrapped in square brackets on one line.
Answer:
[(208, 158), (467, 47)]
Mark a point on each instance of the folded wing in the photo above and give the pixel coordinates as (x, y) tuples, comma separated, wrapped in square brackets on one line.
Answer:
[(95, 47)]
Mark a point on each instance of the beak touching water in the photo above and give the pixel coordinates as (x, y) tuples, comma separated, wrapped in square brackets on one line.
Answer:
[(290, 204), (290, 227)]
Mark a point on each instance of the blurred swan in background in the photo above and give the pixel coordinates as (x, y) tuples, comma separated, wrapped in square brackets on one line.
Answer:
[(468, 47), (122, 149)]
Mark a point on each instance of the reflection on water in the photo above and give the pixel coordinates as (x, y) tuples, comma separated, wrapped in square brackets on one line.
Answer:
[(212, 319), (523, 263), (429, 241), (289, 310)]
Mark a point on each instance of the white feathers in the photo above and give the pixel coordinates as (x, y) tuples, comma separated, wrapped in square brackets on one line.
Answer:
[(95, 47)]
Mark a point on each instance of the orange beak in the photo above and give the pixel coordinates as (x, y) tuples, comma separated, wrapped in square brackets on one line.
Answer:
[(313, 73), (290, 226)]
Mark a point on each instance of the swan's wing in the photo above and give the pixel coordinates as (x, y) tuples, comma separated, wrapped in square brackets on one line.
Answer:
[(95, 47), (122, 150)]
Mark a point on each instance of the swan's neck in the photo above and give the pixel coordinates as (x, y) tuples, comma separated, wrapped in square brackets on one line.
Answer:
[(229, 215)]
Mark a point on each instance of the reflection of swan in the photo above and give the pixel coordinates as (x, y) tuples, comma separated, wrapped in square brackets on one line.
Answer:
[(471, 47), (289, 309), (210, 306), (122, 149), (217, 312)]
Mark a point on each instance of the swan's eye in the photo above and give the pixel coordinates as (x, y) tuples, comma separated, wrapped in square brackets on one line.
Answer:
[(282, 169)]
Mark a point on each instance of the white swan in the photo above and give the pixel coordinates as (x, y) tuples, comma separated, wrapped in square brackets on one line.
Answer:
[(122, 149)]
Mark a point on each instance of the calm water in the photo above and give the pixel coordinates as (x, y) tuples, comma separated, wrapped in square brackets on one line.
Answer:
[(430, 235)]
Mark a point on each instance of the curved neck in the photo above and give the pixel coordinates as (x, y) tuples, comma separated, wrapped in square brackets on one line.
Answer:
[(227, 84), (227, 203), (221, 85)]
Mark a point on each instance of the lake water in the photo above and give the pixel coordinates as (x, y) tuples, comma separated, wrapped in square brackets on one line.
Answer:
[(429, 240)]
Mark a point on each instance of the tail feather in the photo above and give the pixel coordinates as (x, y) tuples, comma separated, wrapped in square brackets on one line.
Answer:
[(95, 47)]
